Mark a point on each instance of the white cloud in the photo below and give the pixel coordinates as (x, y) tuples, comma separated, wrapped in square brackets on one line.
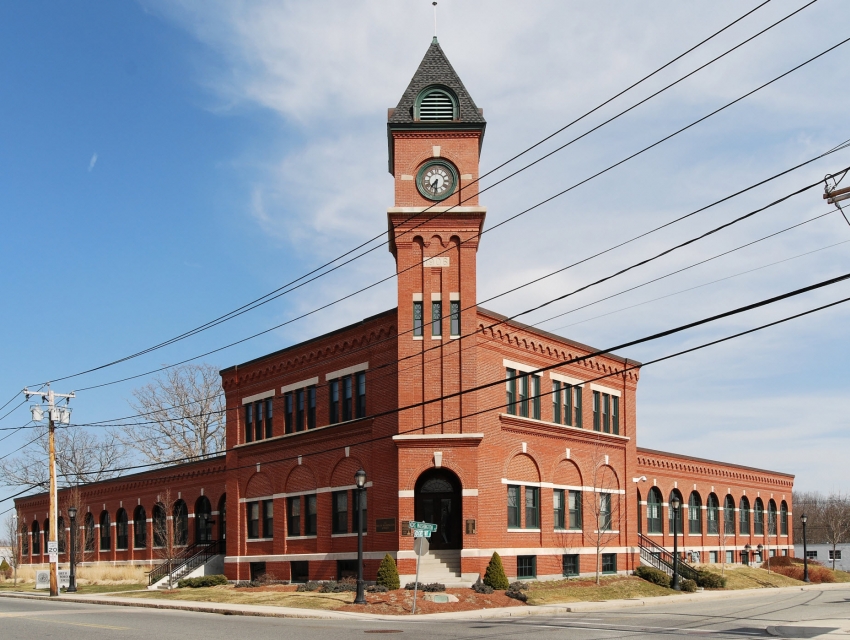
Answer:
[(93, 161), (330, 69)]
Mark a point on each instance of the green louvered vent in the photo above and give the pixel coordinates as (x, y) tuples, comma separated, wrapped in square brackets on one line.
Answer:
[(437, 105)]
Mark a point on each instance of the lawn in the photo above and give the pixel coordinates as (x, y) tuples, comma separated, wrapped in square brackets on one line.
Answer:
[(586, 590), (278, 597), (743, 577)]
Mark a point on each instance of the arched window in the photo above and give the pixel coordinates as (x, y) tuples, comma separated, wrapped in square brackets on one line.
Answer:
[(653, 512), (88, 526), (181, 523), (46, 533), (25, 540), (105, 532), (140, 528), (122, 536), (712, 514), (203, 520), (783, 518), (744, 516), (771, 518), (639, 513), (680, 525), (222, 517), (160, 525), (436, 104), (729, 515), (694, 513), (36, 539), (60, 534), (758, 518)]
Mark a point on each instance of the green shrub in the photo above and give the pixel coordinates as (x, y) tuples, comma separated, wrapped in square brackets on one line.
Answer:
[(708, 580), (480, 587), (431, 587), (376, 588), (338, 587), (688, 585), (202, 581), (310, 585), (516, 594), (653, 575), (5, 569), (495, 575), (388, 573)]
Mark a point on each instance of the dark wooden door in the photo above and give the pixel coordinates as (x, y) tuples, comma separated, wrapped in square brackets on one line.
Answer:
[(438, 501)]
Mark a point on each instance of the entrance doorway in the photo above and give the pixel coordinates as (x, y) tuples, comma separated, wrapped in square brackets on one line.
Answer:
[(437, 499)]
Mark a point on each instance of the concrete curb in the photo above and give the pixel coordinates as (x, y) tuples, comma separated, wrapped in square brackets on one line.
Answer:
[(500, 612)]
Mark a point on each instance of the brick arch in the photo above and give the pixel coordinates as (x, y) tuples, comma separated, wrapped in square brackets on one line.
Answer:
[(523, 467), (413, 473), (343, 473), (567, 473), (301, 478), (258, 485), (607, 476)]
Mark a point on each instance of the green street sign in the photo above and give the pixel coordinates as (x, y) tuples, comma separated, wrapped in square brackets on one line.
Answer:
[(421, 526)]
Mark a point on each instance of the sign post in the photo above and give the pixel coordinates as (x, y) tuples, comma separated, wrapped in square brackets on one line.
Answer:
[(421, 532)]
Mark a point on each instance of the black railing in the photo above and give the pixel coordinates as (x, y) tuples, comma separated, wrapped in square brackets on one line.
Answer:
[(188, 559), (657, 556)]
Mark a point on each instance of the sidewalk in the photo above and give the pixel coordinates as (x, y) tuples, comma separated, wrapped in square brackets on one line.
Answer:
[(503, 612)]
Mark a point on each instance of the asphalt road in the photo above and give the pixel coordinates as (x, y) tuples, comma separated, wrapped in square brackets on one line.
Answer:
[(807, 614)]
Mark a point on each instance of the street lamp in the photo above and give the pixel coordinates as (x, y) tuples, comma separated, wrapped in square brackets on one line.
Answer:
[(804, 518), (760, 548), (747, 549), (360, 483), (72, 577), (675, 503)]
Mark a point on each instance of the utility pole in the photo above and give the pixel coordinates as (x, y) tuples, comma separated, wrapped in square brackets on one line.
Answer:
[(61, 415)]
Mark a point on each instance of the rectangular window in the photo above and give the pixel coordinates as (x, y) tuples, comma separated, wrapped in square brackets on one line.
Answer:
[(310, 523), (712, 557), (268, 518), (835, 554), (513, 507), (606, 413), (269, 430), (293, 516), (253, 509), (355, 516), (259, 411), (556, 401), (535, 397), (568, 404), (526, 567), (249, 423), (615, 415), (811, 555), (289, 413), (436, 318), (346, 398), (578, 405), (334, 403), (417, 318), (454, 311), (609, 563), (311, 407), (605, 512), (575, 510), (523, 395), (597, 409), (532, 508), (569, 561), (361, 394), (340, 512), (510, 374), (730, 557), (299, 410), (558, 495)]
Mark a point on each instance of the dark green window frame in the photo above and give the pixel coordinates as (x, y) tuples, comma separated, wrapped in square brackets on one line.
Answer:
[(417, 318), (513, 507)]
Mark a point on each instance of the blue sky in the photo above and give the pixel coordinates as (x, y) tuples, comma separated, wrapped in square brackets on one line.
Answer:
[(164, 162)]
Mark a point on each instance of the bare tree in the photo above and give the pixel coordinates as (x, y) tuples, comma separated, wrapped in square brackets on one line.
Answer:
[(181, 415), (12, 532), (83, 552), (168, 539), (81, 456), (602, 505), (835, 519)]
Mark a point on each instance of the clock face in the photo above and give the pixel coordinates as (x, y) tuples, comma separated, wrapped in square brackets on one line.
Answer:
[(436, 180)]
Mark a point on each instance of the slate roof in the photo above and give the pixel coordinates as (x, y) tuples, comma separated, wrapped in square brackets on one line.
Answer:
[(435, 68)]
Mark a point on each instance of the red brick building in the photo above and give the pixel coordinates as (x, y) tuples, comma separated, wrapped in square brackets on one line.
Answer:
[(507, 437)]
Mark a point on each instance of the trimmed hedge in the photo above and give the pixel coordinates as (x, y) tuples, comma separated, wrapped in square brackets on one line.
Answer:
[(480, 587), (388, 573), (310, 585), (653, 575), (709, 580), (516, 594), (495, 575), (202, 581), (688, 585)]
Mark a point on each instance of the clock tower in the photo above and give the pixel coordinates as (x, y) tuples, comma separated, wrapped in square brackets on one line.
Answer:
[(434, 136)]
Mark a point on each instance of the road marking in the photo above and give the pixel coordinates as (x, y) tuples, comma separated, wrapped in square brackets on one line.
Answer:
[(73, 624)]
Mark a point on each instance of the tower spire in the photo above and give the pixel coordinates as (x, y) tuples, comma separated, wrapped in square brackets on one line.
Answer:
[(435, 21)]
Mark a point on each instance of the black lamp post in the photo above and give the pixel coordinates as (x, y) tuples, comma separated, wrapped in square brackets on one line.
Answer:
[(675, 503), (760, 548), (72, 578), (360, 482), (747, 549), (804, 519)]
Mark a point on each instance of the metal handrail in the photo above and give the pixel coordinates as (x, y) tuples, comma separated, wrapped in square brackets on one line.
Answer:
[(660, 558), (191, 557)]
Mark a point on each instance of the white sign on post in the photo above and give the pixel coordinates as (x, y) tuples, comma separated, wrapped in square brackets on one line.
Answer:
[(53, 551)]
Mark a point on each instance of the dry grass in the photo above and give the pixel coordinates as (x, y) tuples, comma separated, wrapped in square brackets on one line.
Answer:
[(586, 590), (89, 575), (744, 577), (268, 596)]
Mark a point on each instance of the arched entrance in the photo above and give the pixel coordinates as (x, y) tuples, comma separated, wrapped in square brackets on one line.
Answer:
[(437, 499)]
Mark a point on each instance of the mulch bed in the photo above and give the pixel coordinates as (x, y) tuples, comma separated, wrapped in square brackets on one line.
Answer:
[(400, 602)]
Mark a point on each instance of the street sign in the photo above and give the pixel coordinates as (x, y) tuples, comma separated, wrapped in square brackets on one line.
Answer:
[(418, 533), (420, 547), (53, 551), (422, 526)]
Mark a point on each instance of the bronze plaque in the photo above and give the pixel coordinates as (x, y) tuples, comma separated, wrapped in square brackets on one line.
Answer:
[(470, 527), (405, 528), (384, 525)]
